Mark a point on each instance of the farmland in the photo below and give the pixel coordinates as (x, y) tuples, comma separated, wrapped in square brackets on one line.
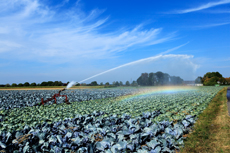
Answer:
[(102, 120)]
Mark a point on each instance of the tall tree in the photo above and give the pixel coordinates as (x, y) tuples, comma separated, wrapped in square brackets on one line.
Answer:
[(44, 83), (60, 83), (227, 80), (160, 78), (143, 79), (94, 83), (7, 85), (198, 80), (166, 79), (121, 83), (152, 79), (56, 83), (134, 83), (14, 85), (26, 84), (117, 83), (33, 84), (50, 83), (211, 78), (127, 83)]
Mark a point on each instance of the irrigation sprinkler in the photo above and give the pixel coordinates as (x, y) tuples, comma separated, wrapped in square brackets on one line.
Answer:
[(54, 98)]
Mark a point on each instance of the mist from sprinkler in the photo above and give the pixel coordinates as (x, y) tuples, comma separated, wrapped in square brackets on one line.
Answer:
[(69, 85)]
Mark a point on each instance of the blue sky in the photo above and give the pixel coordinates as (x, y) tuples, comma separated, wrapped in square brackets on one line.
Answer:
[(67, 40)]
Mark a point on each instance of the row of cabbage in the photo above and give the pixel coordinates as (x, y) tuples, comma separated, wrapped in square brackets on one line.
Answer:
[(102, 125), (23, 98), (85, 133)]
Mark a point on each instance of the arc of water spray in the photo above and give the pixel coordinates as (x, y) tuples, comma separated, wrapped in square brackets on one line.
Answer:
[(161, 55), (141, 60)]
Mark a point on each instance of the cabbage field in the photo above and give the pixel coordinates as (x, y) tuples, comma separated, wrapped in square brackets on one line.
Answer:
[(138, 120)]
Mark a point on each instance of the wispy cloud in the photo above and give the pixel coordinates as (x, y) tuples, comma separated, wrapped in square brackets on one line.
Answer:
[(32, 30), (203, 6), (211, 25)]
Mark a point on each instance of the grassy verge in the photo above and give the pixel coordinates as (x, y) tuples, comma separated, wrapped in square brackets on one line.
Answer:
[(212, 130)]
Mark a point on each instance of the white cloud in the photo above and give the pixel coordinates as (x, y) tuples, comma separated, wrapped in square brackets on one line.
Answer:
[(204, 6), (42, 33)]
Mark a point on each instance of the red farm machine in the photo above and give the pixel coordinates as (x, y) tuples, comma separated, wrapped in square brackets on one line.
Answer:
[(54, 98)]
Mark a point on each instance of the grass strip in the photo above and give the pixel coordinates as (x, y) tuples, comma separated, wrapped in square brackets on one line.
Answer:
[(211, 132)]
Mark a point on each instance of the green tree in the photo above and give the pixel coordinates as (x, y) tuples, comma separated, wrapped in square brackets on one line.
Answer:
[(107, 83), (175, 80), (160, 78), (101, 84), (127, 83), (56, 83), (121, 83), (7, 85), (211, 78), (50, 83), (33, 84), (152, 79), (26, 84), (94, 83), (198, 80), (134, 83), (143, 79), (60, 83), (117, 83), (44, 83), (20, 85), (14, 85)]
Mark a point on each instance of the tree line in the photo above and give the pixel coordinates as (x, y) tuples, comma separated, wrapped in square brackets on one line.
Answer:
[(59, 83), (158, 78), (146, 79), (27, 84)]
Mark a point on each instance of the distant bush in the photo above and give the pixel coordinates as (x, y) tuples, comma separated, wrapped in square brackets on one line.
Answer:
[(14, 85), (33, 84), (26, 84), (7, 85), (20, 85)]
